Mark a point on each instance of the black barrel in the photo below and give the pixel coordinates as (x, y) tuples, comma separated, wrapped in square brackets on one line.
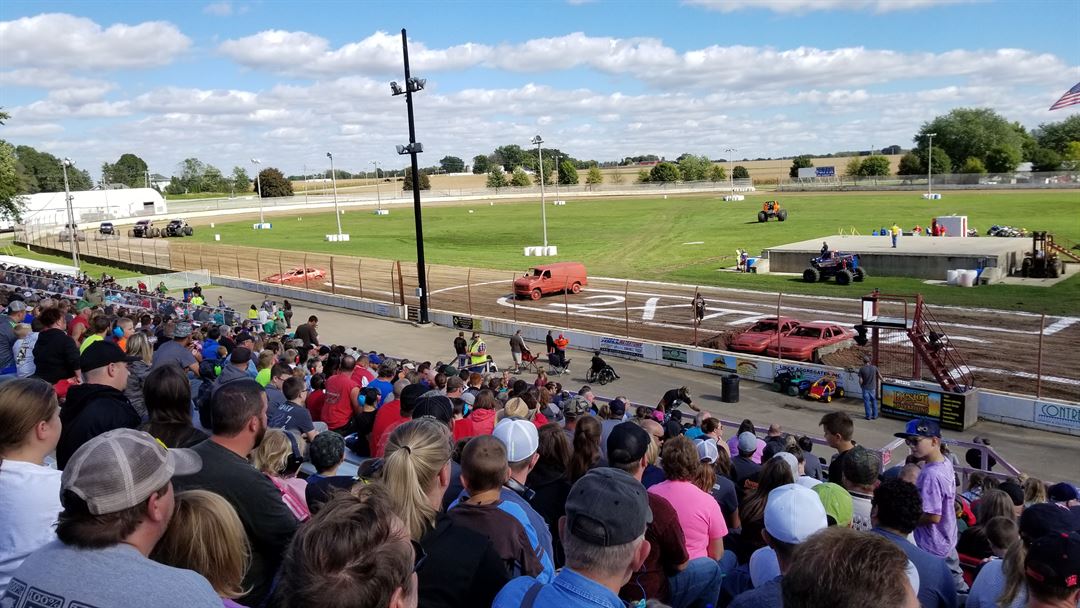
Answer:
[(729, 388)]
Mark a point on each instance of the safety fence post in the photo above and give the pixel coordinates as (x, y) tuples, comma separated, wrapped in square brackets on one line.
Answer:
[(428, 283), (468, 289), (513, 295), (305, 272), (333, 283), (693, 311), (360, 276), (566, 300), (280, 270), (779, 335), (401, 282), (626, 306), (393, 284), (1038, 365), (236, 254), (258, 267)]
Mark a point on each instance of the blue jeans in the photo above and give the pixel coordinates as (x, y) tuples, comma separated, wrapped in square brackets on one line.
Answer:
[(698, 585), (894, 238), (869, 399)]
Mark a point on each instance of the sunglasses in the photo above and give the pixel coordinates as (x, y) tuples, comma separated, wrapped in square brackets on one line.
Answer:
[(913, 441), (419, 555)]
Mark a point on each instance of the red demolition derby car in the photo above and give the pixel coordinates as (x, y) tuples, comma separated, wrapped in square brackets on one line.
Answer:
[(757, 337), (297, 275), (807, 340)]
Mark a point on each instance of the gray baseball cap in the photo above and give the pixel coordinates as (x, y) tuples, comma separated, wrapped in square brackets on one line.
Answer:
[(120, 469), (607, 507), (183, 329)]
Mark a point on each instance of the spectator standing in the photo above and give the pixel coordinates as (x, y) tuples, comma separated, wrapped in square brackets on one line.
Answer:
[(326, 453), (168, 394), (896, 513), (287, 313), (793, 514), (239, 425), (118, 502), (462, 566), (56, 356), (341, 403), (139, 347), (308, 332), (604, 546), (13, 314), (517, 347), (477, 350), (839, 431), (868, 382), (861, 470), (560, 351), (29, 490), (178, 350), (97, 405), (936, 533), (461, 349), (23, 350)]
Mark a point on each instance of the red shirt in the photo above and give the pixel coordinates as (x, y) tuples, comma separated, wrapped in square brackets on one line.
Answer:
[(315, 402), (337, 406), (362, 376), (387, 416), (76, 322)]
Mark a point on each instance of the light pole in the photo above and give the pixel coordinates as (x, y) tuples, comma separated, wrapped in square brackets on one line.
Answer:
[(413, 85), (543, 210), (333, 180), (558, 176), (305, 184), (64, 164), (258, 189), (731, 171), (377, 193), (929, 164)]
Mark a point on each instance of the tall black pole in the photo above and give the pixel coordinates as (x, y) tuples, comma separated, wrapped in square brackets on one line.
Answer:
[(420, 274)]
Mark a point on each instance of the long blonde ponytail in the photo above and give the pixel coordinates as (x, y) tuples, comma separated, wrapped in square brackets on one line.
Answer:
[(415, 453)]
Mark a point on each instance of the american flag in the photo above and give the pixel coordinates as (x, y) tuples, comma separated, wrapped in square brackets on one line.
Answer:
[(1071, 97)]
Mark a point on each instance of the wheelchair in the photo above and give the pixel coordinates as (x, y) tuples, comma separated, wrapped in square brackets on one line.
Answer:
[(605, 375)]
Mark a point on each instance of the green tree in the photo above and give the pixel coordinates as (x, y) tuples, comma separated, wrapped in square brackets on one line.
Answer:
[(854, 167), (694, 168), (511, 156), (497, 178), (175, 187), (407, 185), (740, 172), (519, 179), (41, 172), (643, 176), (1057, 135), (910, 164), (568, 175), (799, 162), (664, 172), (875, 165), (452, 164), (594, 177), (549, 171), (129, 170), (972, 165), (717, 173), (191, 172), (1002, 159), (1045, 159), (214, 181), (273, 183), (11, 200), (1070, 160), (480, 164), (970, 132), (240, 182)]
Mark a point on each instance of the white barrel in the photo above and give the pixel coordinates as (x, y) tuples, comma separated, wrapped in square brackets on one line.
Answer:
[(966, 278), (950, 277)]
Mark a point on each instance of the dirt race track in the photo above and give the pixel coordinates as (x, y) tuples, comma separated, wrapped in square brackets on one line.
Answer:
[(1000, 347)]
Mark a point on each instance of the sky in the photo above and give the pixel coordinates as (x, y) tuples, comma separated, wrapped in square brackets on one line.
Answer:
[(286, 82)]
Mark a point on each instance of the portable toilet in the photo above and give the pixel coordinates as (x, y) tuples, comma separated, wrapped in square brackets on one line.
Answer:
[(955, 225)]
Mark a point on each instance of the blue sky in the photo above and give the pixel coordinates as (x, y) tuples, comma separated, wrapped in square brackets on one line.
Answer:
[(286, 82)]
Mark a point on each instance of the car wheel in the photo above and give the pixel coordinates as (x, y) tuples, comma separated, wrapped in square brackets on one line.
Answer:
[(188, 231), (811, 275), (844, 277), (839, 393), (782, 215), (575, 288), (131, 234), (828, 398), (762, 217), (793, 391), (816, 357), (860, 275), (776, 387), (536, 294)]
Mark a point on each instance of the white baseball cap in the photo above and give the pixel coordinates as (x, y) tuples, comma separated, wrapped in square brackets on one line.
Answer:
[(794, 513), (520, 438), (706, 450)]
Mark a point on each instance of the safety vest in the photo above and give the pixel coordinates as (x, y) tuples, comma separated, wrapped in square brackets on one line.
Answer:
[(478, 347)]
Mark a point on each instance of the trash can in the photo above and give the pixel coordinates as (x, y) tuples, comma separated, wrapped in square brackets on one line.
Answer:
[(729, 388)]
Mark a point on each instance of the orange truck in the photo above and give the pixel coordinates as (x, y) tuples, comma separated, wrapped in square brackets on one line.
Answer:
[(551, 278)]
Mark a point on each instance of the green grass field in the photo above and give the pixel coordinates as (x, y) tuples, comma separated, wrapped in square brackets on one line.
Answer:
[(643, 238)]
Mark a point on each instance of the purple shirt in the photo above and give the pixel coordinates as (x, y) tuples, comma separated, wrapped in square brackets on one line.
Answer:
[(937, 486)]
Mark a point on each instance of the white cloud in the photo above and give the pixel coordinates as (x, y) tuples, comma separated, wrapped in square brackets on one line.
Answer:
[(58, 40), (804, 6), (32, 130), (219, 9)]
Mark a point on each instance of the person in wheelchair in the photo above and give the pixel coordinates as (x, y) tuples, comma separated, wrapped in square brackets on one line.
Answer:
[(601, 369)]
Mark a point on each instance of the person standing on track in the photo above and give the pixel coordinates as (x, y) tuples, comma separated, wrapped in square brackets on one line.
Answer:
[(699, 307)]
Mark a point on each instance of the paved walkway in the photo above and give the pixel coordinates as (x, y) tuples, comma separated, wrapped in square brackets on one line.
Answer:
[(1049, 456)]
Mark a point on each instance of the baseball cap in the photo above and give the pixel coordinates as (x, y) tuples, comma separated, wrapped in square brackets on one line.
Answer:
[(706, 450), (1044, 518), (861, 466), (920, 427), (410, 395), (240, 354), (519, 436), (747, 441), (764, 566), (576, 407), (326, 450), (120, 469), (792, 462), (627, 443), (837, 502), (1061, 492), (1055, 560), (374, 359), (182, 330), (618, 407), (607, 507), (16, 306), (469, 398), (437, 406), (793, 513), (408, 366), (447, 371), (102, 353)]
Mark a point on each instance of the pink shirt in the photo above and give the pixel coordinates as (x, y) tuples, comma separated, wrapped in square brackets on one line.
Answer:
[(699, 515)]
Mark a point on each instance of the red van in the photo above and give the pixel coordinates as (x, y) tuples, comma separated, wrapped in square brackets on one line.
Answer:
[(551, 278)]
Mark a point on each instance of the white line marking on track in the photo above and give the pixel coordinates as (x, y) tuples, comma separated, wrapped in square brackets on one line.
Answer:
[(1060, 324), (1028, 375), (650, 309), (453, 287)]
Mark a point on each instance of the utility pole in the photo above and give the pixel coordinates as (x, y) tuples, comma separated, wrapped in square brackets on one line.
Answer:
[(72, 232)]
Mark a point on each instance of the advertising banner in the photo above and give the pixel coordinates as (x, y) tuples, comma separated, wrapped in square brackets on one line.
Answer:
[(467, 323), (1057, 414), (907, 402), (671, 353), (747, 368), (622, 347)]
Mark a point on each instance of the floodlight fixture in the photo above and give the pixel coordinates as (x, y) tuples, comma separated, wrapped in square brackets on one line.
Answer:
[(396, 89)]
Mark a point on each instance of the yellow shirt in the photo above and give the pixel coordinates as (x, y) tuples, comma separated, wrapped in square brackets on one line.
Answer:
[(896, 230), (88, 341)]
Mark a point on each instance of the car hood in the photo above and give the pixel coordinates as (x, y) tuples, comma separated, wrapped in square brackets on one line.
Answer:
[(525, 281), (790, 342), (754, 337)]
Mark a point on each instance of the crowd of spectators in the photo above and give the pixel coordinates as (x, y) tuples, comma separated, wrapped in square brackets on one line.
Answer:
[(153, 459)]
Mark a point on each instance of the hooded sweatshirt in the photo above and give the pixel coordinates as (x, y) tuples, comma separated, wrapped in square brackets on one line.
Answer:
[(89, 411), (479, 422)]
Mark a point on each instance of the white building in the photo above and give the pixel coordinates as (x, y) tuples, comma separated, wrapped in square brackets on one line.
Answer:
[(48, 208)]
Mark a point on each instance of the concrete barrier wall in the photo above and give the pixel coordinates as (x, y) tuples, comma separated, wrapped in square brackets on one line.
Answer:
[(899, 265), (381, 309), (1046, 414)]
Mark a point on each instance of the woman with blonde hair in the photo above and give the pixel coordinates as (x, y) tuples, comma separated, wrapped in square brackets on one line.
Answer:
[(206, 536), (29, 490), (1034, 491), (462, 566), (138, 345), (279, 456)]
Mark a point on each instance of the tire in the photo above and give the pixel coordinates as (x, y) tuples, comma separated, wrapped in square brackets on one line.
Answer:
[(781, 215), (860, 275), (131, 234), (827, 398), (535, 294), (776, 387), (793, 391), (844, 277), (839, 393), (1025, 268), (811, 275), (816, 357), (762, 217), (590, 376), (575, 288), (188, 231)]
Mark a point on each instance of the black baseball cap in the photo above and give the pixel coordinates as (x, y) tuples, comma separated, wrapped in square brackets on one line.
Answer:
[(1044, 518), (607, 507), (437, 406), (627, 443), (102, 353), (410, 395), (1054, 560)]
